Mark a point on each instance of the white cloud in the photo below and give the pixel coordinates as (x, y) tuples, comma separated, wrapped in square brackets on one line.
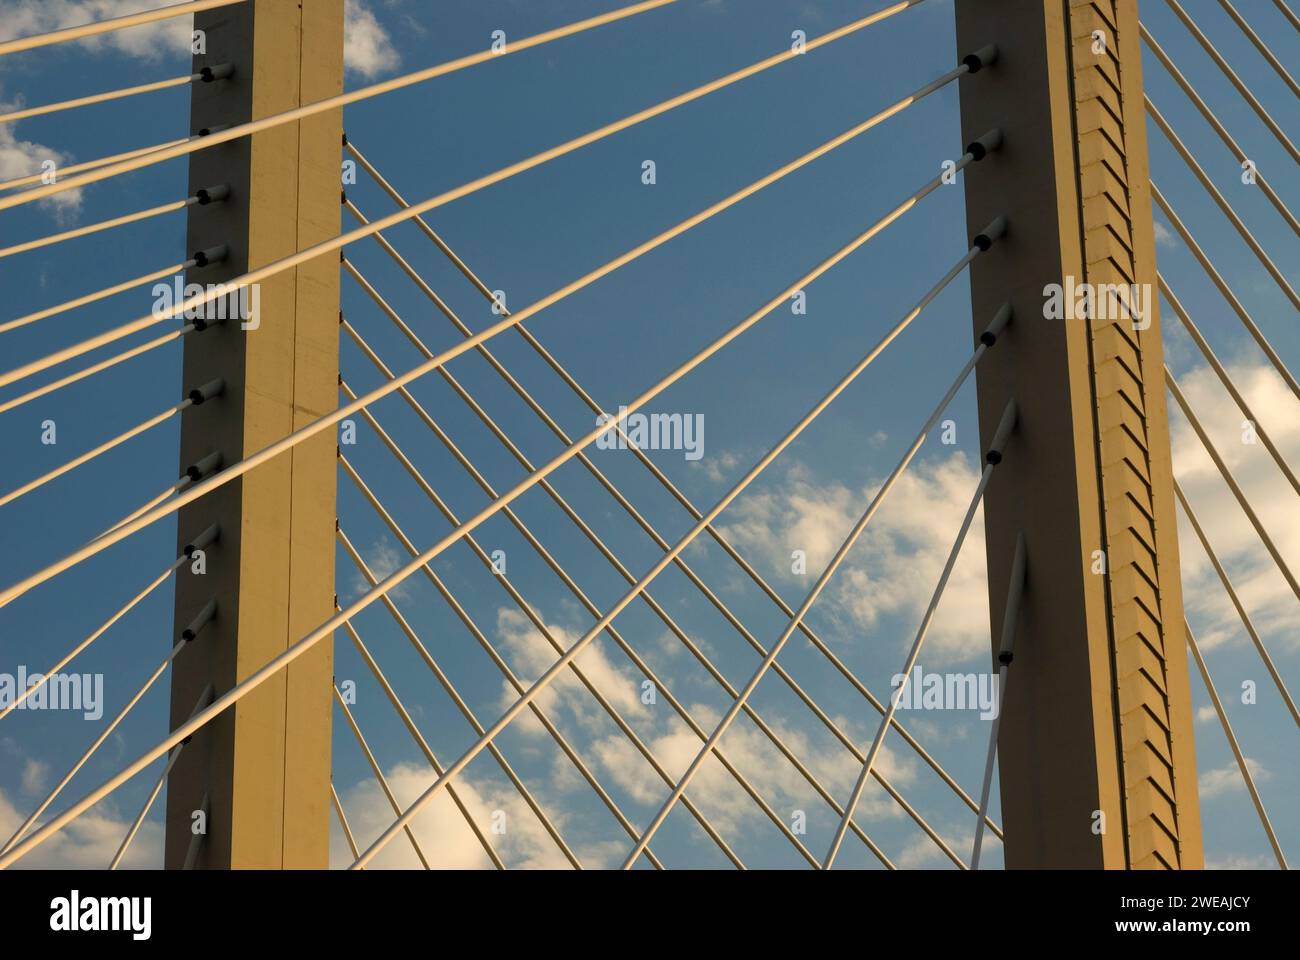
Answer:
[(383, 560), (1164, 236), (1262, 589), (894, 567), (35, 774), (89, 842), (1227, 779), (367, 48), (441, 829), (153, 41), (22, 158)]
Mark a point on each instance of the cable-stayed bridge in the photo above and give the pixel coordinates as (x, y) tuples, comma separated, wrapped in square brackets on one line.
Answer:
[(419, 533)]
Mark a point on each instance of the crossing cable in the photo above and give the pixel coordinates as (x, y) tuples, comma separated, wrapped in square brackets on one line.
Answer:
[(328, 420), (82, 31), (383, 781), (206, 75), (343, 820), (201, 542), (618, 639), (816, 590), (1261, 46), (992, 459), (14, 840), (342, 240), (199, 197), (985, 144), (478, 634), (614, 561), (1226, 380), (581, 596), (1250, 98), (461, 705), (1006, 653), (1236, 602), (1219, 128), (1231, 481), (195, 397), (1242, 765), (1278, 364), (612, 711), (1223, 204), (982, 241), (475, 631), (593, 610), (204, 699)]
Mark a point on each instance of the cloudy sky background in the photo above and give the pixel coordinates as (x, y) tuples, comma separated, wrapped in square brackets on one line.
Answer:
[(530, 235)]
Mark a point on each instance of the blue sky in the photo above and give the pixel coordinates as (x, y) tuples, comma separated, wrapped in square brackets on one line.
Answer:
[(533, 233)]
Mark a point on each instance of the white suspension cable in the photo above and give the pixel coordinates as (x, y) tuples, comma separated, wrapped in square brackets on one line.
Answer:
[(1223, 204), (1006, 652), (465, 711), (1231, 482), (15, 841), (379, 776), (98, 366), (994, 457), (207, 537), (1242, 765), (202, 394), (1199, 338), (95, 164), (1219, 128), (204, 699), (1252, 328), (1288, 13), (93, 297), (92, 228), (1236, 602), (343, 821), (1208, 46), (1261, 46), (29, 112)]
